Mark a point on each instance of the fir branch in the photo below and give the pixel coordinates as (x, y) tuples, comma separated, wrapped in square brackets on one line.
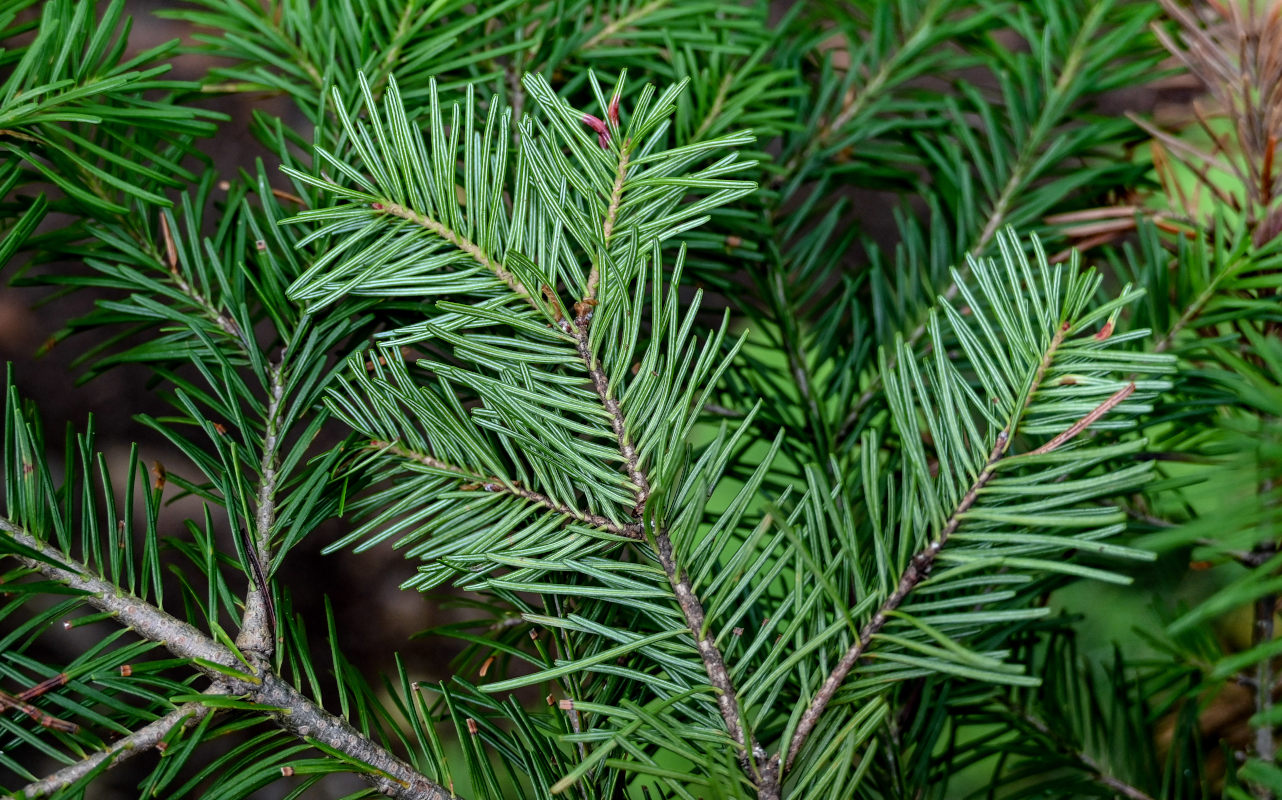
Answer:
[(1049, 116), (612, 28), (1097, 771), (293, 712), (123, 749), (919, 565), (884, 78), (224, 322)]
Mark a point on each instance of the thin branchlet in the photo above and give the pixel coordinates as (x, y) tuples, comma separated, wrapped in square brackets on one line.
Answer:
[(126, 747), (474, 480), (461, 242)]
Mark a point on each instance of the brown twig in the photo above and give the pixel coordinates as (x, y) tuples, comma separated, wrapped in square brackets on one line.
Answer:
[(45, 719), (918, 568), (1088, 420)]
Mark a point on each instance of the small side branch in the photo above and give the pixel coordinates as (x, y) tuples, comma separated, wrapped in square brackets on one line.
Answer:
[(46, 720), (1261, 634), (1097, 770), (1088, 420), (224, 322), (920, 564), (123, 749), (918, 568), (459, 241), (631, 530), (627, 20)]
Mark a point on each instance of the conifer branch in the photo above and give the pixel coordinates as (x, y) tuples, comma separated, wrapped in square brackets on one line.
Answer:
[(919, 565), (294, 712), (766, 775), (1098, 773), (612, 28), (1027, 157), (224, 322)]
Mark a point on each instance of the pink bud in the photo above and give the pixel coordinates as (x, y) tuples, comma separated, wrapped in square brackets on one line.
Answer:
[(598, 125), (376, 206), (614, 110)]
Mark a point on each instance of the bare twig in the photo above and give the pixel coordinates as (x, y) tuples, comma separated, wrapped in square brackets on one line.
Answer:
[(1262, 634), (45, 719), (294, 712), (1088, 420)]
